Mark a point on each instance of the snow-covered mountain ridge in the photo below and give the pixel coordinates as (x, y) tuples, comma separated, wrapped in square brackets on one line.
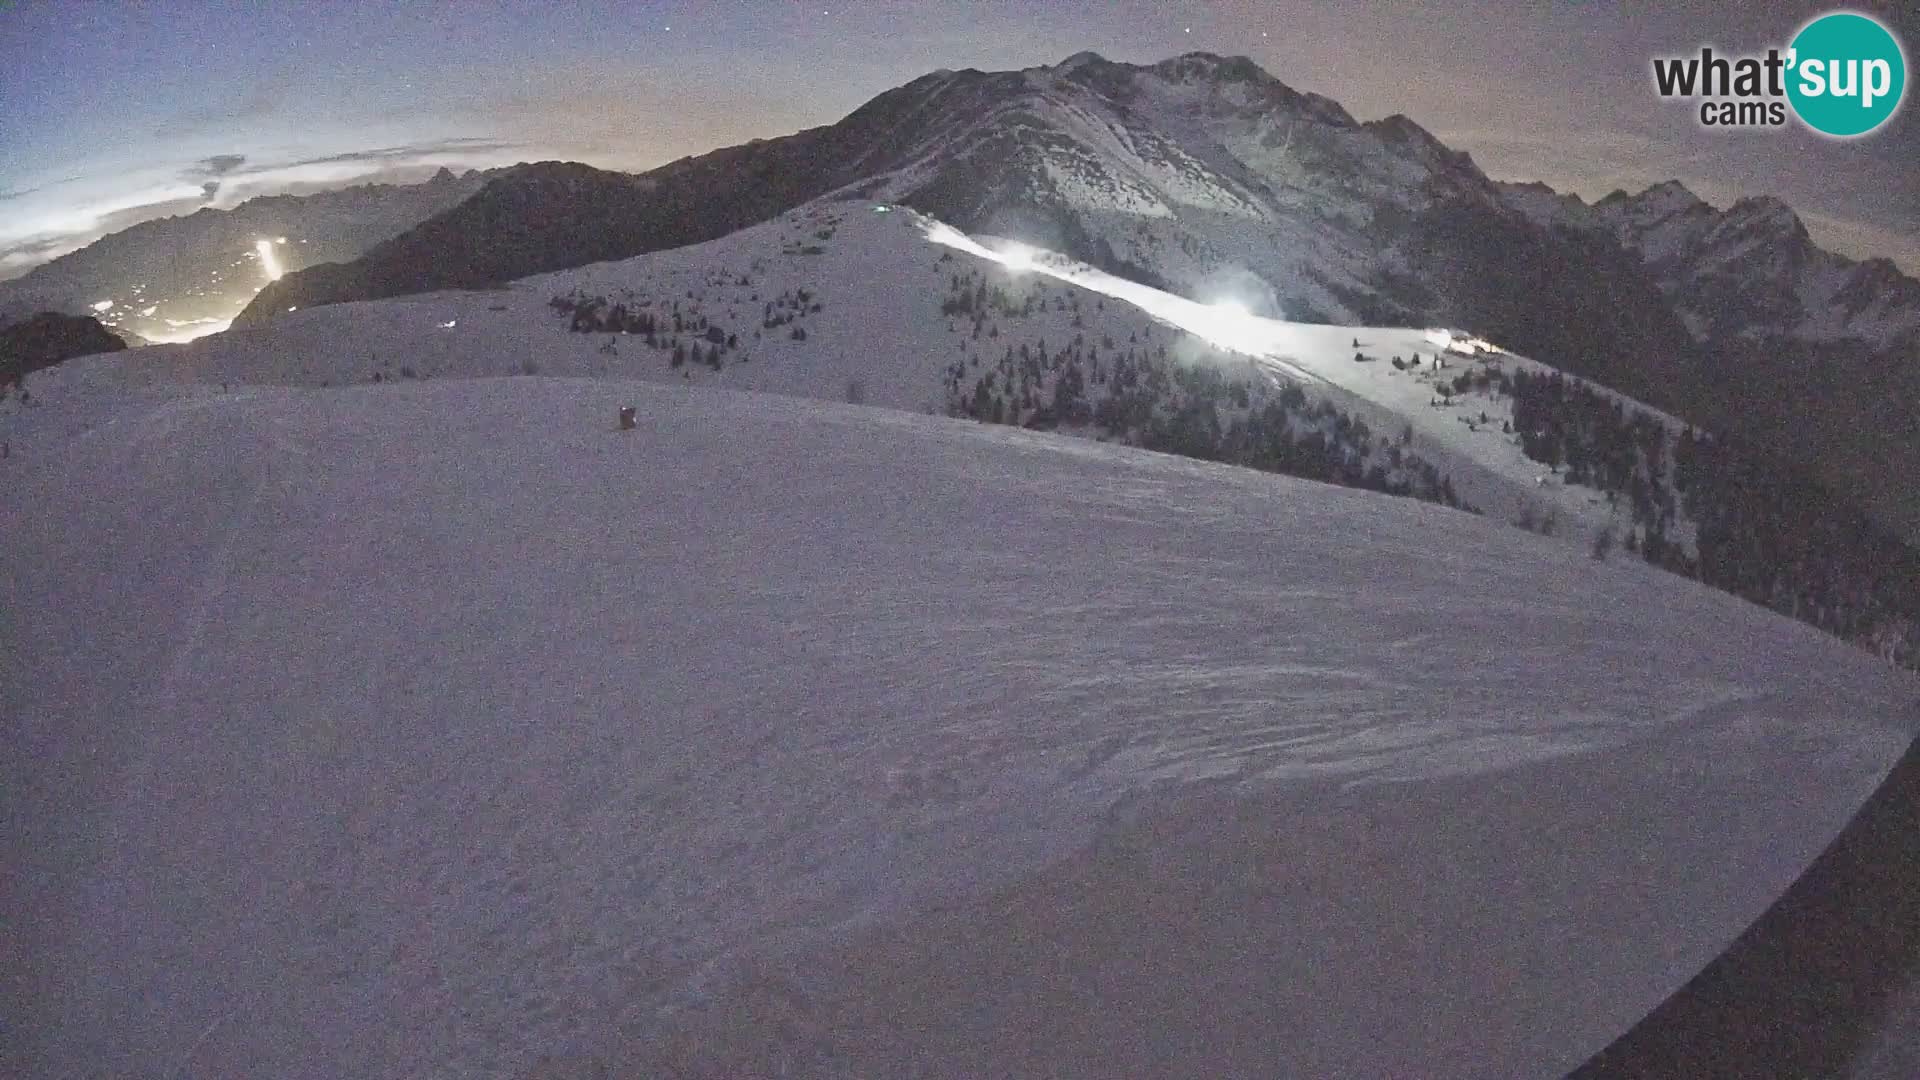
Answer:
[(1197, 171), (1208, 176), (851, 300), (854, 300)]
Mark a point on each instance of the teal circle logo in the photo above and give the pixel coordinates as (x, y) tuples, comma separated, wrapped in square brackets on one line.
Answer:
[(1848, 74)]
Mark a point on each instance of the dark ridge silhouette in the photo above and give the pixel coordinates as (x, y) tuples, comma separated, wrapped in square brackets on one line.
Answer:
[(48, 338), (1803, 991)]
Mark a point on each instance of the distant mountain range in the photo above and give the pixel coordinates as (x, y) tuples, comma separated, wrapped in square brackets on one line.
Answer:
[(180, 277)]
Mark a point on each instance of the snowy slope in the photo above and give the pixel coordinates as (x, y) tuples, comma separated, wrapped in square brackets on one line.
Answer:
[(878, 280), (439, 729)]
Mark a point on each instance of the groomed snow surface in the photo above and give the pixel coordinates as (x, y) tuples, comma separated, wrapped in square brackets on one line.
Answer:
[(440, 729)]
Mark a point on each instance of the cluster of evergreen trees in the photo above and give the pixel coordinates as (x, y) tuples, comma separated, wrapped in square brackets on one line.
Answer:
[(1764, 530), (1602, 444), (1772, 534), (972, 296), (684, 337), (1216, 407), (788, 307)]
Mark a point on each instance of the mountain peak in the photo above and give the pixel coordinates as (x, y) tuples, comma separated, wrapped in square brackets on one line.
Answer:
[(1401, 128), (1769, 215), (1211, 66), (1762, 206), (1402, 132), (1084, 58), (444, 176), (1669, 191), (1671, 194)]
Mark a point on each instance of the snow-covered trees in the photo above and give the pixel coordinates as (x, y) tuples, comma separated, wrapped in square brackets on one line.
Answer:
[(1215, 408), (1764, 530)]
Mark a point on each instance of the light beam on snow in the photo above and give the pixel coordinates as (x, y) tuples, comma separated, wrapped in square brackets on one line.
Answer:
[(103, 305), (1227, 325), (1455, 341), (268, 260)]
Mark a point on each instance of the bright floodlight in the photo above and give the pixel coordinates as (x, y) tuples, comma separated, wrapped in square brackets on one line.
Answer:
[(268, 260), (1230, 324)]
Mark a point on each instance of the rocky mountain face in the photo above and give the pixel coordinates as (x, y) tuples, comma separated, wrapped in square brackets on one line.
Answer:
[(168, 278), (1750, 272), (48, 338)]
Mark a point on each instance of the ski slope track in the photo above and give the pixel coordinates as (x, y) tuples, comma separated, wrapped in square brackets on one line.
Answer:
[(440, 729)]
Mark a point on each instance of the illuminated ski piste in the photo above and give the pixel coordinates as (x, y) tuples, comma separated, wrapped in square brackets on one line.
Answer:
[(269, 261), (1227, 324)]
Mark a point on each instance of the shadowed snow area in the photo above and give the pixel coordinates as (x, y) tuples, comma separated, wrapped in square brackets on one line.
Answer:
[(442, 730)]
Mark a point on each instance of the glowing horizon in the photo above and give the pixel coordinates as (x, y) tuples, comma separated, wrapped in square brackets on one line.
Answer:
[(191, 330)]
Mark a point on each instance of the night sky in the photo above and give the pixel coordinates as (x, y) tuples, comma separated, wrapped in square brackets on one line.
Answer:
[(112, 113)]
